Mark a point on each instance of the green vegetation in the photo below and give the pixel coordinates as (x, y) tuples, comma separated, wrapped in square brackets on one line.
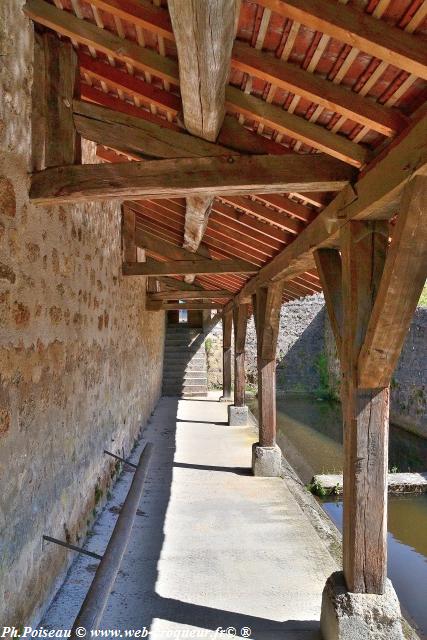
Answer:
[(316, 489), (319, 490), (98, 494), (208, 345), (423, 299), (324, 391)]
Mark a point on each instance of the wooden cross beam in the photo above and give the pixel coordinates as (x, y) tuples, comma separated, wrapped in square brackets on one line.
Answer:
[(158, 247), (183, 177), (173, 283), (174, 306), (202, 294), (182, 267), (135, 135)]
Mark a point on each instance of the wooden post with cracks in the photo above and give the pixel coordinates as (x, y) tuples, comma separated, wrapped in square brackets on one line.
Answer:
[(266, 455)]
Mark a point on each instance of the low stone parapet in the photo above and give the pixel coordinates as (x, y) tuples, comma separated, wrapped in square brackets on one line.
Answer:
[(331, 484)]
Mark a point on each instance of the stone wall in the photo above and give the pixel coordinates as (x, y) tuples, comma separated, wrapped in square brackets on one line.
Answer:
[(307, 360), (408, 388), (80, 359), (409, 382), (300, 350)]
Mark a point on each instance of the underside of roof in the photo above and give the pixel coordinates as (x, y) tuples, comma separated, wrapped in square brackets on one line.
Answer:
[(300, 82)]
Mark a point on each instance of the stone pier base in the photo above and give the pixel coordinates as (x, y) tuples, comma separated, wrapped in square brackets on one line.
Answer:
[(238, 416), (359, 616), (266, 461)]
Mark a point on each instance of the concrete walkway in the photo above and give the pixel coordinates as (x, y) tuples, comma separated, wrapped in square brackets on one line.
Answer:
[(212, 546)]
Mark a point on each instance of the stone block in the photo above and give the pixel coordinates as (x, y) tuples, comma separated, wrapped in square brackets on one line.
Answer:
[(266, 461), (359, 616), (238, 416)]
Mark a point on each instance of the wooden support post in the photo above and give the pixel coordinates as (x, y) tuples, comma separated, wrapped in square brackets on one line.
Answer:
[(370, 312), (240, 321), (366, 415), (56, 142), (227, 323), (268, 305), (267, 302), (129, 247)]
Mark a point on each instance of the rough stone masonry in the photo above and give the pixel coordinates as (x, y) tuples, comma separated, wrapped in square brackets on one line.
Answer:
[(80, 358)]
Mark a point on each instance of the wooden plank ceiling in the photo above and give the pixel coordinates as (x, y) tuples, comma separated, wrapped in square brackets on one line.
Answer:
[(346, 90)]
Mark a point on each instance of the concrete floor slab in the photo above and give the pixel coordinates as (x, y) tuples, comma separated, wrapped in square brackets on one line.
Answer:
[(212, 546)]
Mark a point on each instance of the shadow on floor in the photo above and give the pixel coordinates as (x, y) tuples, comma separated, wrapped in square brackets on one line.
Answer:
[(240, 471), (140, 570)]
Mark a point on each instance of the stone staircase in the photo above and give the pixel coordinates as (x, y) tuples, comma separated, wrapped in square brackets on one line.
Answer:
[(184, 365)]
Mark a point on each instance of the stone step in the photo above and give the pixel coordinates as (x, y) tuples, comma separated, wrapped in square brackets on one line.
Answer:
[(188, 389), (183, 333), (188, 378), (185, 350), (183, 357), (178, 394), (177, 337), (179, 372), (186, 347), (182, 376)]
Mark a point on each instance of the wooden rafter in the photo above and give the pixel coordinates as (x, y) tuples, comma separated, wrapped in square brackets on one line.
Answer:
[(280, 74), (332, 97), (166, 69), (291, 125), (357, 29)]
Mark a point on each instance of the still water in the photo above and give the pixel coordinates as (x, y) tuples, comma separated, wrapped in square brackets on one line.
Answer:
[(309, 432)]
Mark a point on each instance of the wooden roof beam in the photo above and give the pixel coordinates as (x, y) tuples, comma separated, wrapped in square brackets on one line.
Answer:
[(375, 196), (183, 177), (204, 34), (183, 267), (173, 306), (358, 29), (135, 135), (281, 74), (201, 294)]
